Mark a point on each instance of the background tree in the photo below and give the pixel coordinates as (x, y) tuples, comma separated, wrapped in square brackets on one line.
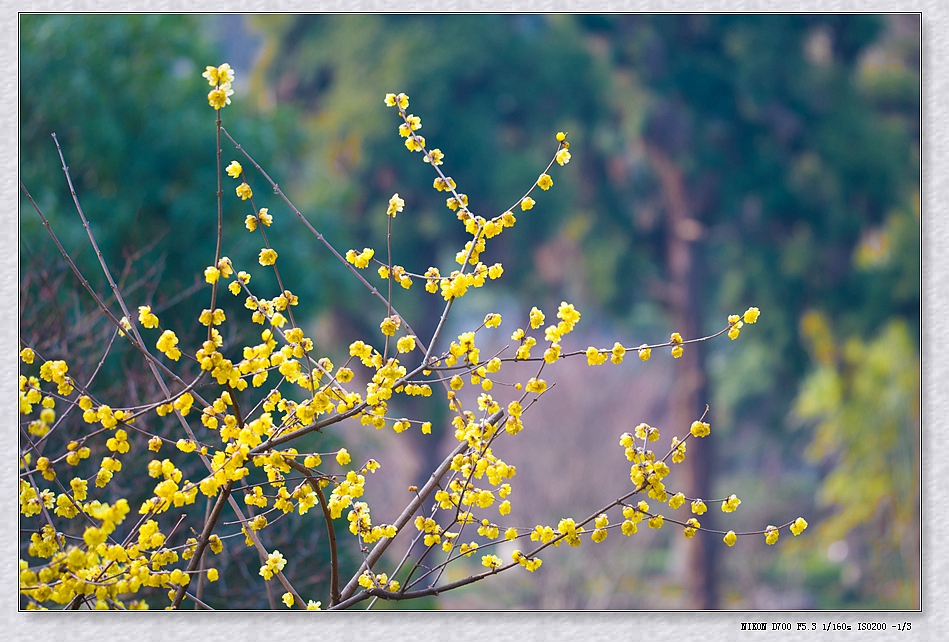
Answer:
[(767, 140)]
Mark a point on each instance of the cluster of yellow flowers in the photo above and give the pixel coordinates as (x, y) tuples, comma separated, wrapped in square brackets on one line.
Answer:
[(369, 580), (234, 441), (220, 78), (647, 473), (360, 524)]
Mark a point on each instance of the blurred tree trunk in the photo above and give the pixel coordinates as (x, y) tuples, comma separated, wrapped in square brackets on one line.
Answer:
[(683, 231)]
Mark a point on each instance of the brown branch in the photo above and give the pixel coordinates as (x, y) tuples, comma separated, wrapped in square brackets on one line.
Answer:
[(330, 530), (410, 510), (204, 538)]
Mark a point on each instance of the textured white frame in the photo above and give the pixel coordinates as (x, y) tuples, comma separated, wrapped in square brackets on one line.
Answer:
[(513, 626)]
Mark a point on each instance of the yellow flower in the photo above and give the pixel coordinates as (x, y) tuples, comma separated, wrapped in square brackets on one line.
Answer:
[(434, 157), (146, 318), (643, 430), (221, 75), (545, 182), (692, 525), (218, 98), (343, 457), (569, 316), (563, 157), (389, 325), (395, 205), (210, 73), (362, 259), (699, 507), (166, 344), (677, 352), (491, 561), (27, 355), (730, 538), (536, 319), (444, 184), (225, 74), (287, 598), (594, 357), (527, 203), (391, 100), (751, 315), (244, 191), (275, 563), (415, 143), (267, 256), (644, 352), (234, 170), (412, 124), (798, 526), (561, 136), (730, 504), (552, 353), (405, 344), (536, 385), (700, 429), (226, 267), (771, 535)]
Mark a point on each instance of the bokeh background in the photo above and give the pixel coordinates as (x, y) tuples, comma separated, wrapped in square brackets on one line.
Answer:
[(719, 162)]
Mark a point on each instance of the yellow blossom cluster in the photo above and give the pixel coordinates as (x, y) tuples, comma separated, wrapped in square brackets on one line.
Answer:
[(246, 434), (647, 473), (220, 78), (360, 524), (369, 580)]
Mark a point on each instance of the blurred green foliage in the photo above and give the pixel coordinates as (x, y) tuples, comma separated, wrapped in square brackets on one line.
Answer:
[(122, 95), (864, 397)]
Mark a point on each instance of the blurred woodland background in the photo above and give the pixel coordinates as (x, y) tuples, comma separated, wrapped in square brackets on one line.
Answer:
[(719, 162)]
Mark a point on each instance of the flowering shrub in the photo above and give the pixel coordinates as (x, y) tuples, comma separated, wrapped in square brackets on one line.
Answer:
[(255, 402)]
